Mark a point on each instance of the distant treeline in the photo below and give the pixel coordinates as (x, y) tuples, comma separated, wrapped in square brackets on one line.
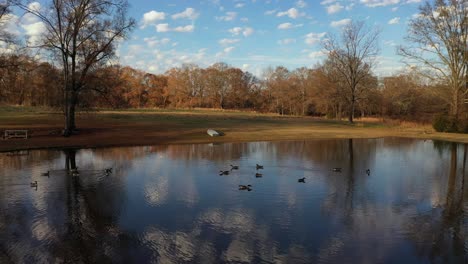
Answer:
[(302, 91)]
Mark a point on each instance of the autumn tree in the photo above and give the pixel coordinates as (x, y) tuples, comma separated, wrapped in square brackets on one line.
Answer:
[(83, 34), (326, 95), (217, 84), (439, 37), (184, 86), (352, 58), (157, 89), (278, 83), (303, 80)]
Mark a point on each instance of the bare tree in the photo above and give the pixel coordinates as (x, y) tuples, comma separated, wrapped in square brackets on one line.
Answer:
[(352, 58), (83, 34), (439, 35)]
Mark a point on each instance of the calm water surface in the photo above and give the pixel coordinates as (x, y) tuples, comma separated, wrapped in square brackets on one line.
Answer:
[(167, 204)]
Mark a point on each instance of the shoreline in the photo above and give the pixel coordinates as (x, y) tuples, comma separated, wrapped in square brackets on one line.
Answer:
[(161, 127), (13, 143)]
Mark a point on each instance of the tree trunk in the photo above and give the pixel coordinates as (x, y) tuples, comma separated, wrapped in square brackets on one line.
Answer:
[(70, 106), (339, 112), (351, 112), (455, 104)]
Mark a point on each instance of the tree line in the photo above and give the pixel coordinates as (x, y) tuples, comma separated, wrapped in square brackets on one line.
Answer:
[(302, 91), (82, 35)]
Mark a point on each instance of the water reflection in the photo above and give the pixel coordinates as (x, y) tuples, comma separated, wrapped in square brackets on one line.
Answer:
[(167, 204)]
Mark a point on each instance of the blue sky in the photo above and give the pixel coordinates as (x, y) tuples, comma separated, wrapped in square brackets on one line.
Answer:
[(256, 34), (251, 34)]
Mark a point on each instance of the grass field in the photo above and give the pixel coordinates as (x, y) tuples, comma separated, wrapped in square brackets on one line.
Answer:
[(150, 127)]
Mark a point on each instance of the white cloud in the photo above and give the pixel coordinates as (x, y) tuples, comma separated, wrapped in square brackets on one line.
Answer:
[(235, 30), (292, 13), (238, 30), (34, 6), (327, 2), (335, 8), (301, 4), (286, 41), (228, 49), (314, 38), (9, 24), (248, 31), (153, 41), (188, 28), (285, 26), (340, 23), (393, 21), (165, 28), (239, 5), (230, 16), (270, 12), (188, 13), (162, 27), (315, 54), (226, 41), (151, 17), (225, 52), (375, 3), (34, 32), (289, 25)]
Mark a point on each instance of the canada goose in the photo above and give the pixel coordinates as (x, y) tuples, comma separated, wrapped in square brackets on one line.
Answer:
[(368, 172), (108, 170), (259, 166), (336, 169), (223, 172), (234, 167), (245, 187), (34, 184), (301, 180), (258, 175), (46, 174)]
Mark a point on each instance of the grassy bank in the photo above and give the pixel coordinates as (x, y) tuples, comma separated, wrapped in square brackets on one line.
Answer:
[(149, 127)]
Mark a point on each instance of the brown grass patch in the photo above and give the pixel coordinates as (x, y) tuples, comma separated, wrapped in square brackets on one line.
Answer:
[(151, 127)]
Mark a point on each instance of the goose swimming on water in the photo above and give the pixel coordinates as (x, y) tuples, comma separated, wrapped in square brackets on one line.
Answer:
[(223, 172), (234, 167), (301, 180), (34, 184), (245, 187), (336, 169), (258, 166)]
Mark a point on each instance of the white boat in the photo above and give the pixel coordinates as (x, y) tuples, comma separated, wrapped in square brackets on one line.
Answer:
[(213, 133)]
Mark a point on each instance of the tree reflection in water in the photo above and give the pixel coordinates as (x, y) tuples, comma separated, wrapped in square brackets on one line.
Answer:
[(440, 233), (167, 204)]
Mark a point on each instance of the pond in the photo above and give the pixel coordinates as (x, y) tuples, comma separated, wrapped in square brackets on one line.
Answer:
[(393, 201)]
